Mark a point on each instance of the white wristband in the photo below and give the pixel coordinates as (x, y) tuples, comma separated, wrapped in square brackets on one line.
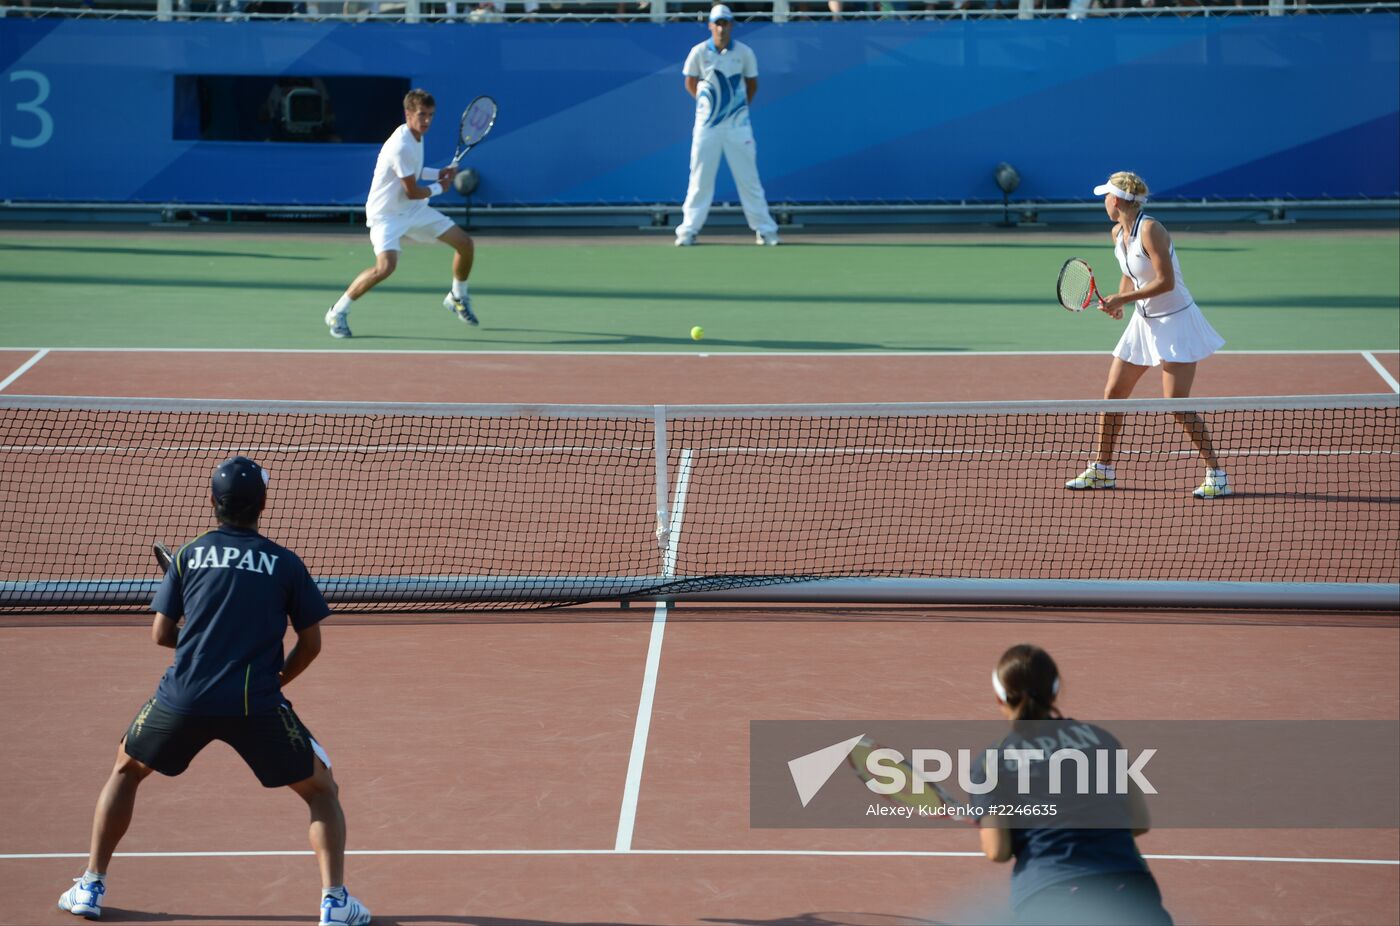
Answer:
[(429, 174), (434, 189)]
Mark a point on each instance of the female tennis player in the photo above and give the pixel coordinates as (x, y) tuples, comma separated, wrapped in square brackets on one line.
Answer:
[(1167, 329), (1065, 875)]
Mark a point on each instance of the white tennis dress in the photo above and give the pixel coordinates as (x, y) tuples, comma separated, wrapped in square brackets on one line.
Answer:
[(1169, 326)]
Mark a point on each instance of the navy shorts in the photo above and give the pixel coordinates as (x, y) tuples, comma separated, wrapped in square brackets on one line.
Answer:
[(1122, 899), (277, 746)]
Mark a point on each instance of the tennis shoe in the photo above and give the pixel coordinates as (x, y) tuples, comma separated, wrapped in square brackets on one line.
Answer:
[(1214, 487), (685, 241), (770, 240), (344, 910), (339, 325), (1093, 478), (462, 308), (83, 899)]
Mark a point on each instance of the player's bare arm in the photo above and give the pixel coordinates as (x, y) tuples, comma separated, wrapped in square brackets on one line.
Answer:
[(165, 631), (304, 652), (996, 842), (751, 85), (414, 189), (692, 85)]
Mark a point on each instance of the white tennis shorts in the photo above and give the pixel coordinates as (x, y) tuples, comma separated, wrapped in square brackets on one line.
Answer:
[(423, 224)]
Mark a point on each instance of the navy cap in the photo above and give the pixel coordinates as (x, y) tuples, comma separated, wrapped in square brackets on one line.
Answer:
[(239, 478)]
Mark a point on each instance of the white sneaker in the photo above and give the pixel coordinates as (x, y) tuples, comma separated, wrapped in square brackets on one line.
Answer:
[(83, 899), (462, 308), (769, 240), (343, 911), (684, 241), (1214, 486), (1095, 477), (339, 325)]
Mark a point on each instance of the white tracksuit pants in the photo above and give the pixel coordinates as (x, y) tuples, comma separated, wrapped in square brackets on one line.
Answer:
[(735, 143)]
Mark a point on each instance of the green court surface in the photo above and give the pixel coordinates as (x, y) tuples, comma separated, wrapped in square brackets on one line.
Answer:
[(1284, 289)]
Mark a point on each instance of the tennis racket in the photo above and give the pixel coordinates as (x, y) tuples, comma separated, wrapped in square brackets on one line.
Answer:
[(1076, 289), (163, 556), (931, 798), (477, 120)]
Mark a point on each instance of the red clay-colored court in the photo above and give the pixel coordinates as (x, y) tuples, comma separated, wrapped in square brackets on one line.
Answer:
[(590, 765)]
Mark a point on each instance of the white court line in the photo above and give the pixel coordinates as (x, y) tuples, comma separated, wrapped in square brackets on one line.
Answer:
[(627, 816), (1371, 359), (682, 853), (40, 355), (885, 354)]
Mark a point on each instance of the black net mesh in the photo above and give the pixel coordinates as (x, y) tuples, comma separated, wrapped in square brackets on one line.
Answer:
[(526, 509)]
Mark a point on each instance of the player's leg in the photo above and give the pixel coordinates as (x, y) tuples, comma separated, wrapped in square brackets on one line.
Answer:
[(1177, 379), (1122, 378), (157, 740), (385, 263), (706, 148), (327, 833), (742, 155), (281, 751), (115, 806), (385, 238), (459, 299)]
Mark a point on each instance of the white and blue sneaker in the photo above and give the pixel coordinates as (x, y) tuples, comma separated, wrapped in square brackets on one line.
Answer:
[(339, 325), (1097, 476), (685, 241), (84, 898), (341, 909), (462, 308), (769, 240), (1216, 485)]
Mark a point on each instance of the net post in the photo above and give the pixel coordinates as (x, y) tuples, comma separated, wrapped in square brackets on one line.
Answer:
[(663, 501)]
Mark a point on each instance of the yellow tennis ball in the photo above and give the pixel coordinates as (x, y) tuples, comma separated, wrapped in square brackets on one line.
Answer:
[(697, 333)]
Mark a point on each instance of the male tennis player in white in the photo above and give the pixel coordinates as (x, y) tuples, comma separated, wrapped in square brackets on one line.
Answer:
[(397, 208), (722, 75)]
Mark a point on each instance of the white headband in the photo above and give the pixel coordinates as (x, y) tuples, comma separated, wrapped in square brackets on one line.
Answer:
[(1118, 191), (1000, 689)]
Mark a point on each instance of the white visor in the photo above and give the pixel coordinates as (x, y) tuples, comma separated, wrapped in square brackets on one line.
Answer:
[(1000, 689), (1103, 188)]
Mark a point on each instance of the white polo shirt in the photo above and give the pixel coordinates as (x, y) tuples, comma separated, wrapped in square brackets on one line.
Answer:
[(722, 98), (401, 156)]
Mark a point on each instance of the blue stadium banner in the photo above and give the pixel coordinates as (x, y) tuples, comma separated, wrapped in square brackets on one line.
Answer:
[(194, 112)]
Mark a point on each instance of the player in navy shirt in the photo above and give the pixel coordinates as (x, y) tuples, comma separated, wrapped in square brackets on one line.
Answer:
[(1066, 875), (236, 591)]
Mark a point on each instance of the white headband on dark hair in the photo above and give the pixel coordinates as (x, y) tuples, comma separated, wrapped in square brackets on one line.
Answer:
[(1118, 191), (1000, 689)]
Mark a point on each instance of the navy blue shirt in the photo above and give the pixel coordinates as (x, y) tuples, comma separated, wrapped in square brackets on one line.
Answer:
[(236, 590), (1051, 855)]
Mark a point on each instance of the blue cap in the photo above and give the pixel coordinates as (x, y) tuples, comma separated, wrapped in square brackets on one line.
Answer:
[(239, 478)]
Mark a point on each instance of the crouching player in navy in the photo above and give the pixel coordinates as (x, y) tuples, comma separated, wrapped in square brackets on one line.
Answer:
[(1084, 869), (235, 590)]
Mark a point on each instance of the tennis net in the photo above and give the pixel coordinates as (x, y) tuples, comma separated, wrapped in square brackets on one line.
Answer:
[(460, 506)]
